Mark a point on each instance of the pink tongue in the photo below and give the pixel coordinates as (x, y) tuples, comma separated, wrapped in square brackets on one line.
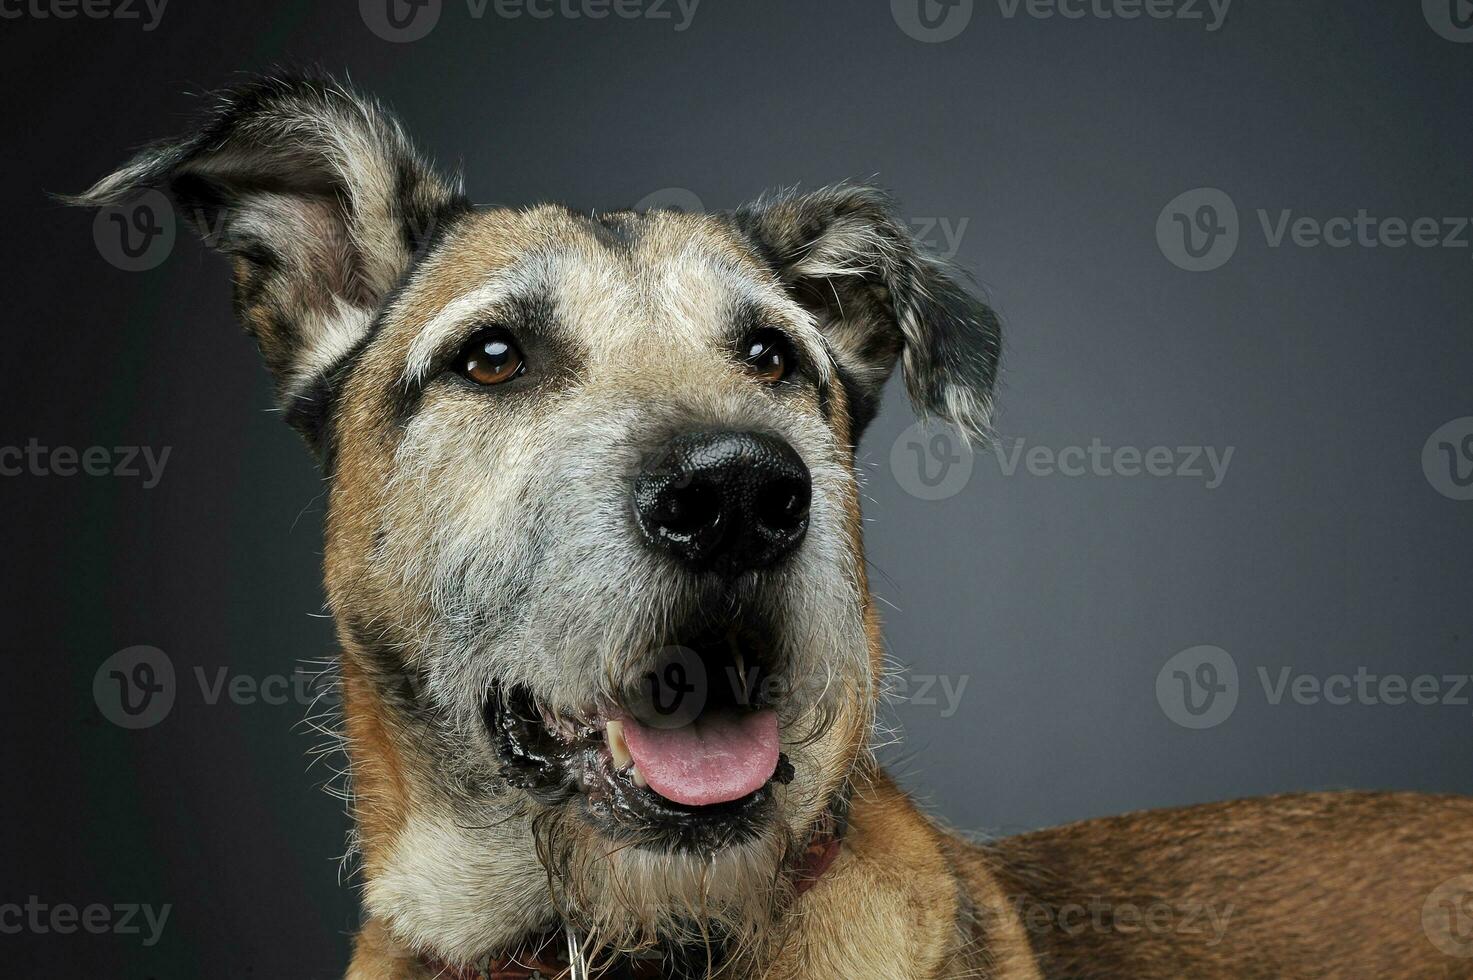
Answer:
[(721, 756)]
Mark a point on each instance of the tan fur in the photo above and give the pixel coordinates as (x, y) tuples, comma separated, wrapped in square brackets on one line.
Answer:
[(479, 540), (906, 899)]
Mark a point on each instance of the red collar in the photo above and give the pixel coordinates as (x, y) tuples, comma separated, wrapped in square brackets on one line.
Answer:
[(817, 857), (546, 958)]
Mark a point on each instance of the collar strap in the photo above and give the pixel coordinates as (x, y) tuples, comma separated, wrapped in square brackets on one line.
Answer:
[(544, 962), (544, 958)]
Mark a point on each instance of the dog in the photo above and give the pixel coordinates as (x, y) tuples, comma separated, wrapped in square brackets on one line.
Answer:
[(609, 658)]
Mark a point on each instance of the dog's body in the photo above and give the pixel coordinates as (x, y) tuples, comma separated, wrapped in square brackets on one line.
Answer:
[(581, 463)]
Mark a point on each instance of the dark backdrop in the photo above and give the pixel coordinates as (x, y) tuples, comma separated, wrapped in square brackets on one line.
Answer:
[(1035, 609)]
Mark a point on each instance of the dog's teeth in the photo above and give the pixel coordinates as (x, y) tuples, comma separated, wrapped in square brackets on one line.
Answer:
[(618, 748), (638, 777), (740, 662)]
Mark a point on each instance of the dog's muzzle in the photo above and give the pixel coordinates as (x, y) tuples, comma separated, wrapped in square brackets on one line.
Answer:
[(684, 750)]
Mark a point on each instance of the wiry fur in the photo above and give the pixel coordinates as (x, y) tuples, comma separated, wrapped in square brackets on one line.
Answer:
[(480, 538), (883, 294), (319, 197)]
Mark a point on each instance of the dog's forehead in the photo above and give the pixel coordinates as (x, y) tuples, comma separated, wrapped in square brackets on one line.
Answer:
[(607, 279)]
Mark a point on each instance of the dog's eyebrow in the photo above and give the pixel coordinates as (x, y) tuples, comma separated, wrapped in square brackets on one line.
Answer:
[(446, 328), (756, 308)]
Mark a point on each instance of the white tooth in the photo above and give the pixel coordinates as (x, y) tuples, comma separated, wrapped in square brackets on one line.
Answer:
[(638, 777), (618, 748), (743, 688)]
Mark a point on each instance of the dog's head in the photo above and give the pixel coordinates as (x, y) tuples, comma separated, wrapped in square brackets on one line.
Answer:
[(593, 539)]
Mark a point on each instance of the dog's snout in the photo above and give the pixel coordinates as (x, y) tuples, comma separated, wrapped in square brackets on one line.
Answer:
[(725, 501)]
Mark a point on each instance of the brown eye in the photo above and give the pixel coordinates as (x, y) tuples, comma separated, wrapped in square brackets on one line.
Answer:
[(769, 356), (490, 358)]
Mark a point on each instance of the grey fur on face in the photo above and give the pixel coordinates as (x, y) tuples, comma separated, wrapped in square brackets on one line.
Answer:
[(484, 538)]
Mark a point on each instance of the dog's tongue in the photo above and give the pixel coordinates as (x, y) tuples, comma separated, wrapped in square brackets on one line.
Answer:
[(721, 756)]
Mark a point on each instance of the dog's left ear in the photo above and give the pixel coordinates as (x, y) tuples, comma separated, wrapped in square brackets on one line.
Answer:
[(880, 296)]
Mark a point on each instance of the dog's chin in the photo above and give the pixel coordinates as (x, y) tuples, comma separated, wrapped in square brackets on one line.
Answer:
[(686, 761)]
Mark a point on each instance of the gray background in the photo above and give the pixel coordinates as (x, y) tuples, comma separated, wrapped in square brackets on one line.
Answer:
[(1058, 599)]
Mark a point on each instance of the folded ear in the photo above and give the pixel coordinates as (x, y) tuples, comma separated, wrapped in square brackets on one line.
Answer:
[(880, 296), (319, 198)]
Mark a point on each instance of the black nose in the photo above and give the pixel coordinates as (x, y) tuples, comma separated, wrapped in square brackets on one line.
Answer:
[(724, 501)]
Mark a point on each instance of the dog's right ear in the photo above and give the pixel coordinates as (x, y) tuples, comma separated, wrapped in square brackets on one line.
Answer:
[(321, 201)]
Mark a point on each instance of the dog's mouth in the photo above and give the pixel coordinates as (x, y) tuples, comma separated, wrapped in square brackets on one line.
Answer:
[(686, 760)]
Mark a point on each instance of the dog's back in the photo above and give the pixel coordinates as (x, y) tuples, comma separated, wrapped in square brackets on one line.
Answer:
[(1319, 885)]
